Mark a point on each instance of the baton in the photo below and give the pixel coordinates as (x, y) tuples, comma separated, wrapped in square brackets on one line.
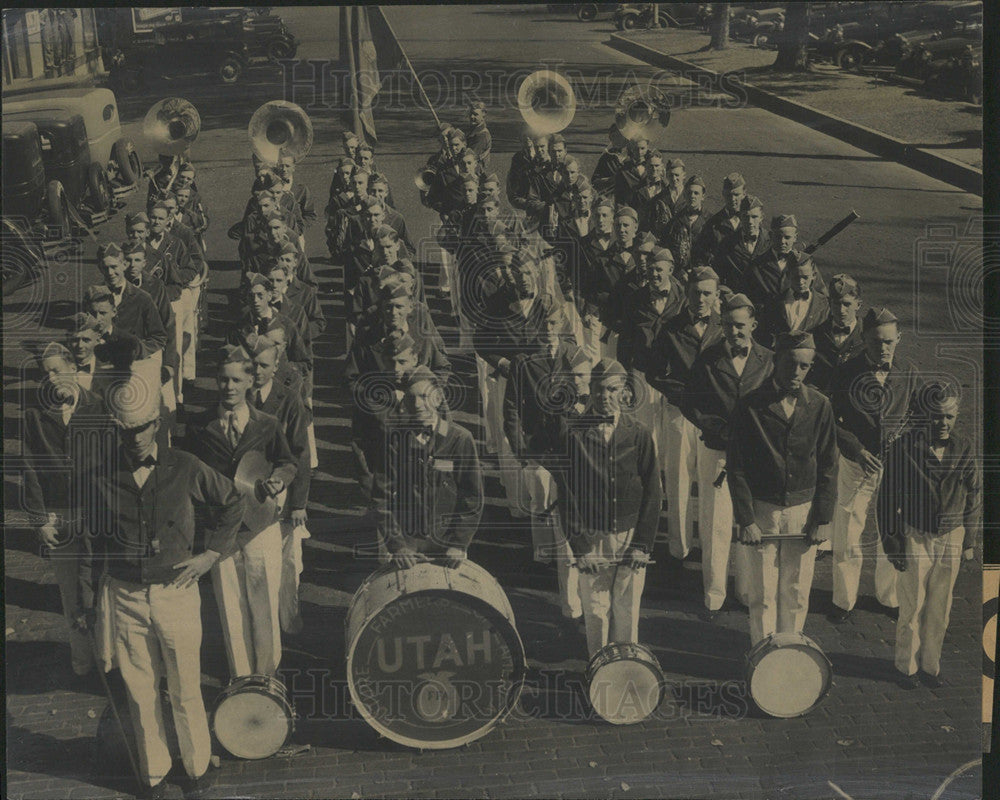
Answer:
[(826, 237)]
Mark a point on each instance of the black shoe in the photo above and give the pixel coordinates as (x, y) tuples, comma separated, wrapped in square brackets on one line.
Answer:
[(839, 615), (199, 788), (931, 681), (891, 613), (158, 792), (907, 682), (708, 615)]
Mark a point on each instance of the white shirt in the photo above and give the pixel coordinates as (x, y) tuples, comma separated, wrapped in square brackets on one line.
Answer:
[(141, 475), (839, 338), (740, 362), (787, 402), (607, 429), (795, 311), (85, 374), (524, 305), (242, 417), (264, 392), (67, 409)]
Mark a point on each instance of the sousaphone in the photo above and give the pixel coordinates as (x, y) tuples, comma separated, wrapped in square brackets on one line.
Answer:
[(171, 126), (640, 111), (546, 102), (280, 129)]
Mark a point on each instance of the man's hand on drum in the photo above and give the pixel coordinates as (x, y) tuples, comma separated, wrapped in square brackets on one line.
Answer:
[(298, 517), (895, 551), (453, 557), (406, 557), (751, 534), (635, 558), (591, 562)]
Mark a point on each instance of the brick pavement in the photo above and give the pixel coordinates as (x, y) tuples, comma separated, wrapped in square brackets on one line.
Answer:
[(869, 737)]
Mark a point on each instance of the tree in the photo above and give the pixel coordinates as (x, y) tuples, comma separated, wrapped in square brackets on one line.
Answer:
[(792, 53), (720, 26)]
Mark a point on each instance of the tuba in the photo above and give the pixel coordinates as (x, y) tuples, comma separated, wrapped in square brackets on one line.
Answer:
[(280, 129), (424, 177), (171, 126), (546, 102), (637, 111)]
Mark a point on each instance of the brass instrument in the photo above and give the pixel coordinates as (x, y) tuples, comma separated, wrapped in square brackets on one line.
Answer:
[(171, 126), (424, 177), (640, 110), (546, 102), (279, 129)]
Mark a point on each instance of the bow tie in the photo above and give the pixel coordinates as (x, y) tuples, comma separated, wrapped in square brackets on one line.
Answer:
[(604, 419), (794, 394), (840, 330), (117, 290), (800, 295), (883, 366), (741, 352), (701, 320), (148, 461)]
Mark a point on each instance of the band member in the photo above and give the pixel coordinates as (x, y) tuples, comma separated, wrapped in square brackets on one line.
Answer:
[(768, 275), (633, 170), (782, 471), (874, 396), (260, 319), (57, 430), (477, 135), (434, 494), (341, 195), (149, 559), (557, 150), (733, 256), (247, 579), (651, 199), (522, 165), (600, 319), (285, 403), (800, 308), (609, 165), (681, 234), (379, 187), (839, 338), (722, 376), (929, 513), (134, 310), (610, 502), (681, 340), (285, 172), (82, 340), (676, 177), (724, 221)]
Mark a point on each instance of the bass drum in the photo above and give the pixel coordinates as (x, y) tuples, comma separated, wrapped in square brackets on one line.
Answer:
[(788, 675), (433, 658), (253, 717), (625, 683)]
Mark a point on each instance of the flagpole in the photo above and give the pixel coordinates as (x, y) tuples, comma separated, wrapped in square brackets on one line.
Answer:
[(350, 17), (413, 72)]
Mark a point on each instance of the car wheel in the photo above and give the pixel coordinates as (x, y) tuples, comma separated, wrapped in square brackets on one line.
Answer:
[(20, 260), (628, 23), (231, 69), (848, 59), (760, 40), (101, 197), (586, 12), (58, 208), (281, 48), (126, 158)]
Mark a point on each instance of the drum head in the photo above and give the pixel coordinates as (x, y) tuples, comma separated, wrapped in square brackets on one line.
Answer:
[(790, 681), (625, 692), (252, 724), (435, 669)]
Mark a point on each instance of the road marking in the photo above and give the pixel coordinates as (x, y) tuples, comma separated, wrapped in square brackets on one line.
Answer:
[(839, 791), (950, 778)]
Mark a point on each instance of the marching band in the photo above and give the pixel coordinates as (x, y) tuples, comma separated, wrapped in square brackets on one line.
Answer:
[(636, 357)]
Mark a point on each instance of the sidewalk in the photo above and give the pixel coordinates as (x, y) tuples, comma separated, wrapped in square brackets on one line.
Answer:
[(947, 129)]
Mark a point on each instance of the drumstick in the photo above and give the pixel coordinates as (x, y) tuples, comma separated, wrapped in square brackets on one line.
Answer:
[(114, 710)]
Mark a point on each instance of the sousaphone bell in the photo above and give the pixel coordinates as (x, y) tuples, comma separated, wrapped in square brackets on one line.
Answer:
[(278, 129), (546, 102), (424, 177), (171, 126), (640, 110)]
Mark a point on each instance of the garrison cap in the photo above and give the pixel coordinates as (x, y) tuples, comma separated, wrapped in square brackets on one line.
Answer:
[(129, 247), (82, 321), (647, 243), (477, 104), (110, 250), (138, 216), (346, 162), (399, 343), (97, 293), (702, 274), (576, 356), (264, 183), (384, 230), (557, 138), (394, 289), (877, 316), (349, 136), (783, 221), (737, 301), (371, 201), (233, 354), (262, 343), (733, 180), (662, 255), (551, 308), (288, 249), (421, 373), (492, 178), (57, 350), (256, 279), (607, 203), (627, 211), (606, 369), (675, 163), (750, 201), (695, 180), (843, 285), (794, 340)]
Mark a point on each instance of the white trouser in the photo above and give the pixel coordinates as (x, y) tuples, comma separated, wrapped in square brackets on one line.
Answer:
[(780, 572), (157, 635), (190, 355), (678, 461), (247, 589), (715, 530), (492, 404), (575, 324), (610, 597), (66, 566), (512, 477), (548, 538), (184, 322), (855, 490), (649, 408), (591, 343), (449, 279), (291, 569), (925, 594)]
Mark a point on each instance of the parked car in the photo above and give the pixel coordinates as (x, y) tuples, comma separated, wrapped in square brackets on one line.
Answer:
[(894, 48), (588, 12), (757, 25), (958, 76), (929, 56), (265, 34), (215, 47), (21, 251), (107, 148), (30, 201)]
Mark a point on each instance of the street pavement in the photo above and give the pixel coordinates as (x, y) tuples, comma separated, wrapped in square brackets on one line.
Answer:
[(869, 739)]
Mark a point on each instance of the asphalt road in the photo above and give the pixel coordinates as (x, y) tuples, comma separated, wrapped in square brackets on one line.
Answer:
[(794, 170)]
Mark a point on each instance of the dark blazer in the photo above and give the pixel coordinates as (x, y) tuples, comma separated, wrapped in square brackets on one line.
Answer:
[(773, 318), (205, 438), (869, 416), (434, 493), (609, 487), (137, 314), (674, 353), (307, 209), (716, 229), (295, 349), (139, 534), (780, 460), (157, 290), (538, 391), (480, 141), (174, 259), (606, 172), (626, 182), (285, 403), (504, 332), (732, 258), (715, 389), (766, 281), (606, 271), (190, 240), (306, 296), (640, 324), (830, 355), (681, 239)]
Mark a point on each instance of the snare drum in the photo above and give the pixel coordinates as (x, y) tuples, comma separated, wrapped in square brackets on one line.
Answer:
[(433, 657), (788, 675), (253, 717), (625, 683)]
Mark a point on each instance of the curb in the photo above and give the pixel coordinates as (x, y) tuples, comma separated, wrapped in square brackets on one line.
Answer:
[(946, 169)]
